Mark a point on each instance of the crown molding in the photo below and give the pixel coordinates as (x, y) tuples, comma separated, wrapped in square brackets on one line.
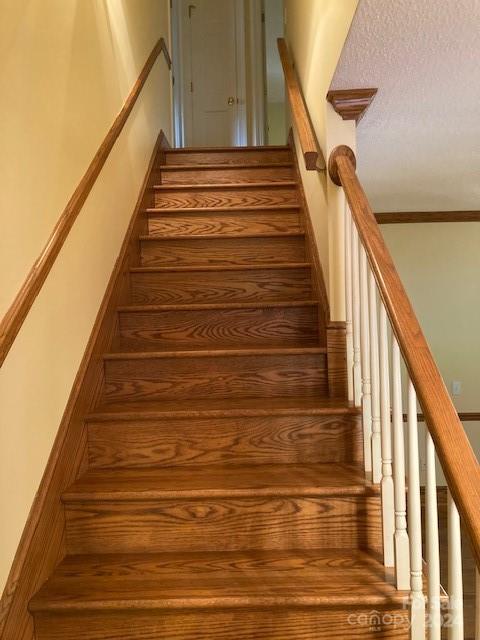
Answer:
[(351, 104)]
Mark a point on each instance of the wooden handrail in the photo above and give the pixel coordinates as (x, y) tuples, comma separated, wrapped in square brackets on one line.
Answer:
[(311, 151), (165, 51), (455, 453), (18, 311)]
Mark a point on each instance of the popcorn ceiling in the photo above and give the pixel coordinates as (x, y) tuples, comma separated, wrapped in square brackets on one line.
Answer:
[(419, 143)]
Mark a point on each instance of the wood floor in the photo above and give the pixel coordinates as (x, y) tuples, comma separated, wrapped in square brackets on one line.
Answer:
[(223, 495)]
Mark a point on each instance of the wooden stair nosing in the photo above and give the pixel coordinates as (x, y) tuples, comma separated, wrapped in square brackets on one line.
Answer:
[(224, 166), (280, 208), (226, 186), (239, 149), (222, 236), (221, 481), (256, 407), (153, 308), (240, 267), (215, 353)]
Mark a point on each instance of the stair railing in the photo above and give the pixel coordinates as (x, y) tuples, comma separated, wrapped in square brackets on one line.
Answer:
[(382, 330), (311, 151)]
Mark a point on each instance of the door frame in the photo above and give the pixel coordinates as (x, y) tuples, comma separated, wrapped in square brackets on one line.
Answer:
[(177, 75), (251, 112), (257, 72)]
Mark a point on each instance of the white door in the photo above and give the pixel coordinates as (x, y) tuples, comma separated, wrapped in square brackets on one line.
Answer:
[(213, 107)]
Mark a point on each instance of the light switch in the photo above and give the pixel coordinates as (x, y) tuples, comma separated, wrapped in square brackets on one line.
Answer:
[(456, 388)]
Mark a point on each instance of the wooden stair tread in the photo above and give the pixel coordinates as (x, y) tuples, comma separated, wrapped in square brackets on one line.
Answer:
[(216, 353), (226, 185), (309, 578), (227, 267), (213, 407), (222, 236), (280, 208), (336, 479), (238, 149), (245, 165)]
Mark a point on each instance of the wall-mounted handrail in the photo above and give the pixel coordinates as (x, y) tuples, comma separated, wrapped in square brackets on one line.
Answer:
[(18, 311), (311, 151), (456, 456)]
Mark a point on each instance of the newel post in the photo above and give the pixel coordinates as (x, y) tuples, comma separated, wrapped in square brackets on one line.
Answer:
[(342, 150)]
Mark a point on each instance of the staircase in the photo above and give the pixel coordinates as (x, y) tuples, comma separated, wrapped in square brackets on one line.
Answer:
[(224, 496)]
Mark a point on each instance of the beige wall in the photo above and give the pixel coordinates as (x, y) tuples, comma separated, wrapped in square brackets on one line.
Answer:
[(277, 128), (275, 89), (316, 31), (439, 265), (66, 68)]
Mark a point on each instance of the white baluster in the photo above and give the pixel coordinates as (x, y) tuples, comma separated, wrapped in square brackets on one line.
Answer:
[(417, 599), (388, 511), (365, 361), (402, 550), (375, 373), (348, 299), (357, 371), (432, 542), (455, 579)]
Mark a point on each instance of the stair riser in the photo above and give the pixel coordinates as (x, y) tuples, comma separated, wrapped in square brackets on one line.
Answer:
[(212, 198), (212, 327), (253, 156), (210, 223), (240, 624), (223, 251), (256, 440), (233, 286), (223, 524), (216, 377), (228, 176)]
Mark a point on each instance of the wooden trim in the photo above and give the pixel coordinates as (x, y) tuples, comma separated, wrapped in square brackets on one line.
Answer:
[(351, 104), (42, 544), (465, 416), (18, 311), (166, 53), (240, 149), (408, 217), (312, 153), (455, 453)]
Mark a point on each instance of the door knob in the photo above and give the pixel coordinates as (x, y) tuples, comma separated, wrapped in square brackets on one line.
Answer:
[(231, 100)]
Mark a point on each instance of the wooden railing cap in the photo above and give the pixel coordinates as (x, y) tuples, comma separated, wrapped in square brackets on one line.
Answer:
[(340, 151)]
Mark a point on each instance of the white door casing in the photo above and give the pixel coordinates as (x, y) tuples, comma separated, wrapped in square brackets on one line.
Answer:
[(209, 69), (212, 74)]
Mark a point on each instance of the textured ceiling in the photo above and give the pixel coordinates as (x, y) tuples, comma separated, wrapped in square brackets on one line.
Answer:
[(419, 143)]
